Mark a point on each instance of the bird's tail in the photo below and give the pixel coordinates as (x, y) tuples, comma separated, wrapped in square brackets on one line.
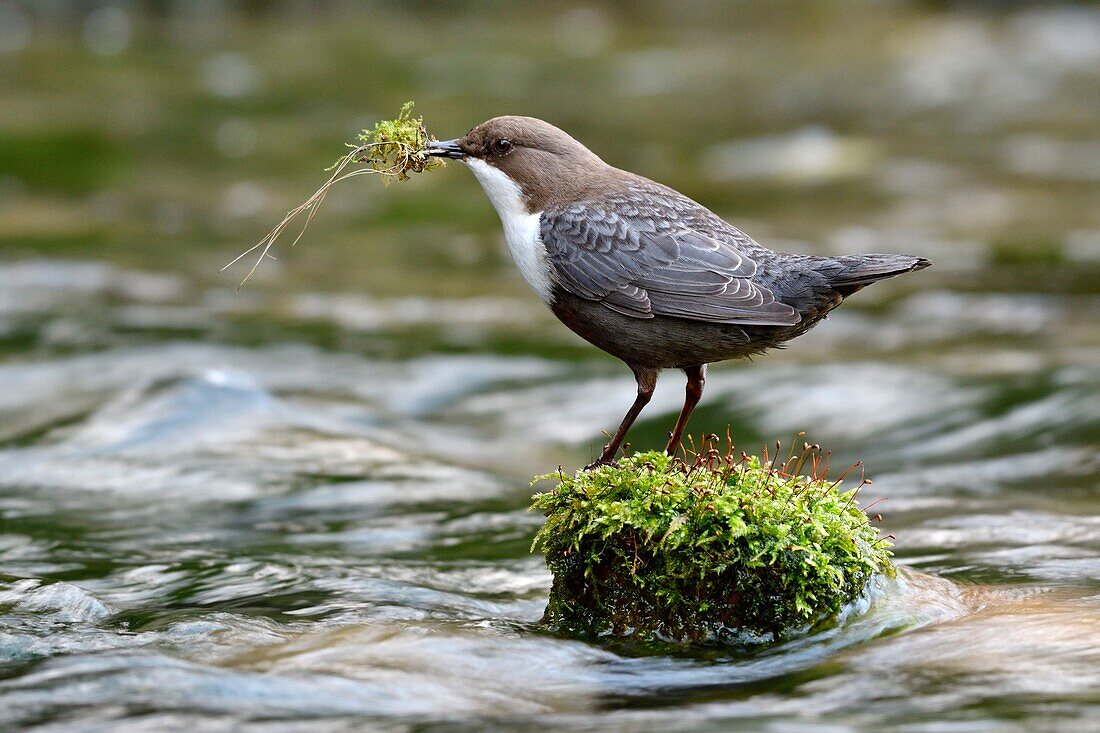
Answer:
[(850, 273)]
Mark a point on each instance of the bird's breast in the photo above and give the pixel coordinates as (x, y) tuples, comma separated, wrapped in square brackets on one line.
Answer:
[(529, 253), (521, 228)]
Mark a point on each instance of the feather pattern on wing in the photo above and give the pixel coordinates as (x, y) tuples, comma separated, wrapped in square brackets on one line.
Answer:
[(642, 260)]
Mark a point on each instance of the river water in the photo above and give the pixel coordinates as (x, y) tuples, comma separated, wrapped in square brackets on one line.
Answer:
[(303, 507)]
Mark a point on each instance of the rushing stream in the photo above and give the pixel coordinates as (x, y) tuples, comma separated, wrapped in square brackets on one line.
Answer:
[(195, 532), (303, 507)]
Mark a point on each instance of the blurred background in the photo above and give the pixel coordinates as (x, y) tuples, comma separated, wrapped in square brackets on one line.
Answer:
[(278, 503)]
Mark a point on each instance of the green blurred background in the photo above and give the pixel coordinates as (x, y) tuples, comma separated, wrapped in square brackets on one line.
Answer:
[(169, 136), (303, 507)]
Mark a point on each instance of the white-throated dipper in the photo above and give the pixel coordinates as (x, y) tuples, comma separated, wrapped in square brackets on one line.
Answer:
[(642, 271)]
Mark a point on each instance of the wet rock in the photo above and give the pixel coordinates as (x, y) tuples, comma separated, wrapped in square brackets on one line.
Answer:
[(727, 548)]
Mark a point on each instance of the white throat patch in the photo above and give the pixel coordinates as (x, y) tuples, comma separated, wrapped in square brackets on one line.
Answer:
[(521, 230)]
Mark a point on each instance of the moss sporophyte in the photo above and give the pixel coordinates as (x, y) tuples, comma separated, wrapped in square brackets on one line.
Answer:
[(718, 547), (391, 149)]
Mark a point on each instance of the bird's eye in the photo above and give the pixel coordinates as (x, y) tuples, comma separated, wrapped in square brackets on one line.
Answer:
[(502, 146)]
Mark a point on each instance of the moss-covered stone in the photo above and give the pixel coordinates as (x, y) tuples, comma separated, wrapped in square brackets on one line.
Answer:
[(726, 547)]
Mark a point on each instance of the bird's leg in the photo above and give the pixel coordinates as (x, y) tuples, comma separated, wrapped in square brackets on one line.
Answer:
[(647, 382), (696, 379)]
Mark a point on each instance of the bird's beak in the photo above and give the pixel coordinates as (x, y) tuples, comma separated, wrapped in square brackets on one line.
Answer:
[(446, 149)]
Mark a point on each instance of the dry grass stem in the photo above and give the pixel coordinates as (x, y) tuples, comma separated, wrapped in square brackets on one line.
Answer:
[(393, 149)]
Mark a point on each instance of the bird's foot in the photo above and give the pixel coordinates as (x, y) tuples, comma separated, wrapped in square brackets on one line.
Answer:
[(601, 461)]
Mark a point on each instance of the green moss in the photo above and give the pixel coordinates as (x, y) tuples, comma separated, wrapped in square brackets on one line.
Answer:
[(728, 547), (392, 149), (397, 147)]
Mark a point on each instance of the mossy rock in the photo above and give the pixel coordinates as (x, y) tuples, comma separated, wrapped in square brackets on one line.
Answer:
[(722, 549)]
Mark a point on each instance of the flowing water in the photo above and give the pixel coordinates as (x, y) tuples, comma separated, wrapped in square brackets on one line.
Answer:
[(303, 507)]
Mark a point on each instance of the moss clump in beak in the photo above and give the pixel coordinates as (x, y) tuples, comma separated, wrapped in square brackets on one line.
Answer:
[(393, 149), (721, 547), (397, 147)]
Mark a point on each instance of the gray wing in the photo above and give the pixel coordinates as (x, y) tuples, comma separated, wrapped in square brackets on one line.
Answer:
[(631, 266)]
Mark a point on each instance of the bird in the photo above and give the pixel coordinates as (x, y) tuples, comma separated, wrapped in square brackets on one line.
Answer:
[(640, 270)]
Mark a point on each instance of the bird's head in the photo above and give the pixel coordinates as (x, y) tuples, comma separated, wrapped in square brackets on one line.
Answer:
[(509, 154)]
